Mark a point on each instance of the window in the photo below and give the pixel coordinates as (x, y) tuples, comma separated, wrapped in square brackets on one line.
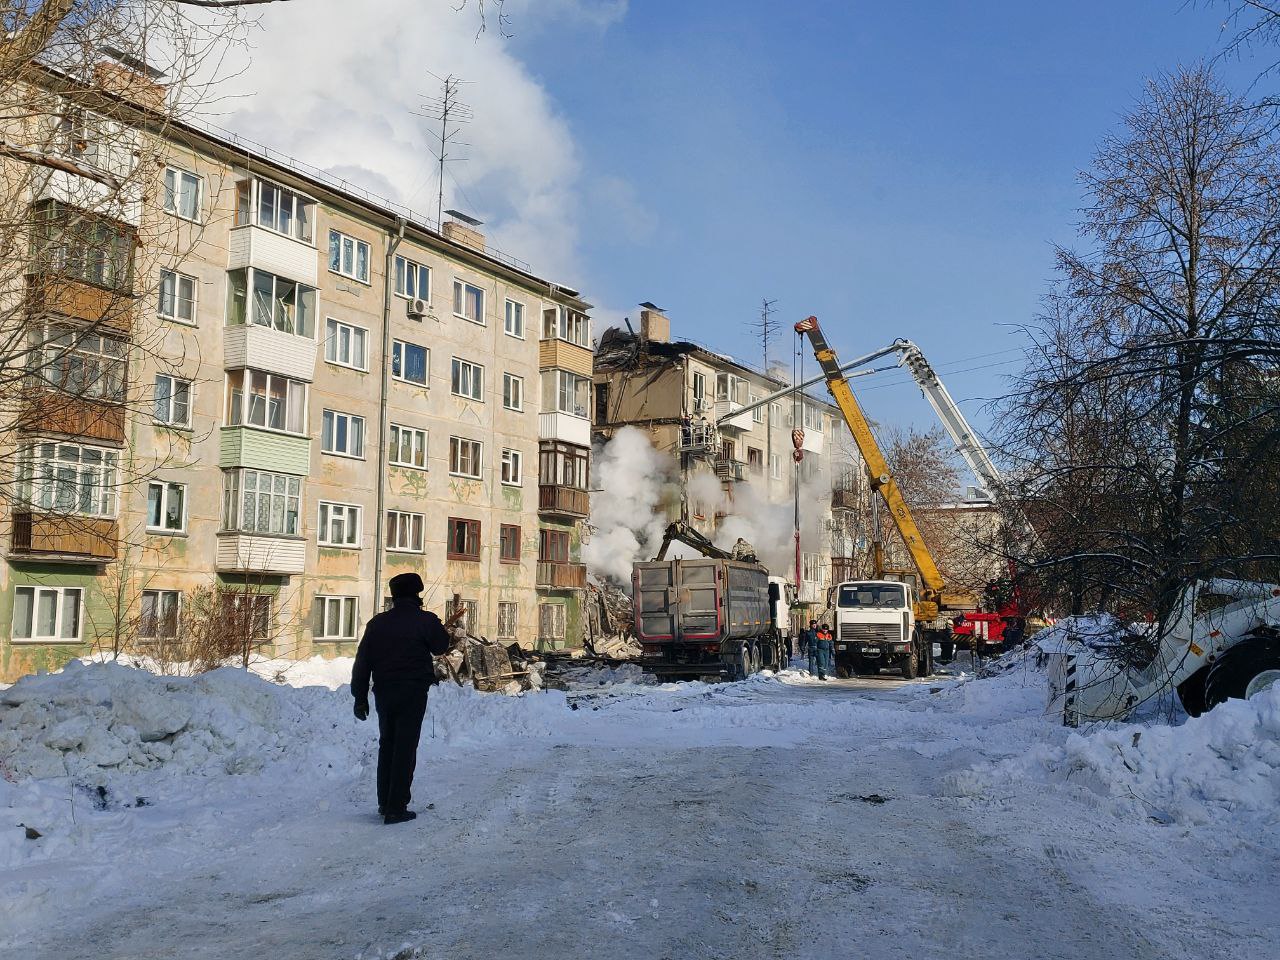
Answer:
[(46, 613), (512, 391), (729, 387), (511, 467), (813, 418), (247, 614), (344, 344), (466, 457), (177, 297), (182, 193), (335, 618), (561, 323), (342, 433), (409, 362), (160, 611), (566, 392), (404, 531), (775, 466), (468, 620), (268, 205), (72, 243), (467, 379), (275, 302), (68, 478), (507, 619), (82, 364), (755, 459), (468, 301), (775, 414), (413, 280), (339, 525), (551, 621), (513, 320), (699, 392), (553, 546), (166, 506), (255, 501), (464, 539), (811, 567), (408, 447), (95, 141), (563, 464), (173, 401), (266, 400), (509, 543), (757, 415), (348, 256)]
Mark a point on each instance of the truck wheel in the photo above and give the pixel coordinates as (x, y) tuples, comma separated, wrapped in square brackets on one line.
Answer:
[(911, 665), (1191, 692), (1248, 668)]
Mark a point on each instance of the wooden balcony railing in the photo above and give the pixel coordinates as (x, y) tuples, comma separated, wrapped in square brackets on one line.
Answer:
[(562, 576), (48, 411), (563, 501), (92, 539), (844, 500), (50, 296)]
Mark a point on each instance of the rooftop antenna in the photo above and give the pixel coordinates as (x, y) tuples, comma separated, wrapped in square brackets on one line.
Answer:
[(767, 327), (451, 112)]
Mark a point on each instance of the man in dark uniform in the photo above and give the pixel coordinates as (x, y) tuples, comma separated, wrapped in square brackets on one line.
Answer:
[(396, 651)]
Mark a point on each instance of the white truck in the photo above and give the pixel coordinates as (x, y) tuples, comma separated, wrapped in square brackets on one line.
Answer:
[(875, 626), (1221, 642)]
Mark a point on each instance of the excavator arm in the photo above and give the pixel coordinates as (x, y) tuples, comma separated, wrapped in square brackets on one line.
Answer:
[(881, 480), (690, 537)]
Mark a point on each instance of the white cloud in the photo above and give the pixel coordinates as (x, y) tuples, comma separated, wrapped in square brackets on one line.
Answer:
[(342, 87)]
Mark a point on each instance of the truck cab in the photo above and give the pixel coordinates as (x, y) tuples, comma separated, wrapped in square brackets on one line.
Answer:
[(876, 628)]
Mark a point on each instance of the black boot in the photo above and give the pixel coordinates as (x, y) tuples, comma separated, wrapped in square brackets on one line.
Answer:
[(401, 816)]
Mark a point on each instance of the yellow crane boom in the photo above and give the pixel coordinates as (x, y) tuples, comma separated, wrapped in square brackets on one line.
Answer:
[(881, 480)]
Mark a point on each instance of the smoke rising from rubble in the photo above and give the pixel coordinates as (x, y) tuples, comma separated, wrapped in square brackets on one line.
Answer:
[(626, 512)]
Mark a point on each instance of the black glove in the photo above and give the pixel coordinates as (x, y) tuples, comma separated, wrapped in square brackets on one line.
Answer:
[(362, 710)]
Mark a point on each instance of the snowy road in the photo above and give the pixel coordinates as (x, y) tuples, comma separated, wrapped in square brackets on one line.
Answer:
[(723, 822)]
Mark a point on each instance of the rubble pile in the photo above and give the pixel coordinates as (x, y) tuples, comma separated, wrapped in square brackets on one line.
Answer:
[(610, 620), (491, 666)]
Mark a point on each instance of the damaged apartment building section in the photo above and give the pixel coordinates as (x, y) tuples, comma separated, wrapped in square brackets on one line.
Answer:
[(687, 398), (258, 384)]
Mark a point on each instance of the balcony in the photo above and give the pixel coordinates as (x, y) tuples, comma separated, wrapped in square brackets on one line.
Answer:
[(561, 576), (50, 296), (558, 501), (724, 408), (260, 449), (812, 441), (48, 411), (250, 553), (73, 539), (253, 246), (844, 500), (730, 469), (566, 427), (566, 356), (273, 351)]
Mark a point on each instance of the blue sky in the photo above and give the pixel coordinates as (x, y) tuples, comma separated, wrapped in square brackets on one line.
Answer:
[(896, 169), (899, 170)]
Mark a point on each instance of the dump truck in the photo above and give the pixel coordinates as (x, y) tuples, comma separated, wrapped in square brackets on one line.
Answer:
[(710, 617)]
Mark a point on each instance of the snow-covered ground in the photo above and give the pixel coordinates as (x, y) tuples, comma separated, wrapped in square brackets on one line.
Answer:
[(227, 816)]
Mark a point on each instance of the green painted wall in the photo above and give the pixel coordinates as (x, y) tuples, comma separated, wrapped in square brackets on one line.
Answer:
[(22, 657)]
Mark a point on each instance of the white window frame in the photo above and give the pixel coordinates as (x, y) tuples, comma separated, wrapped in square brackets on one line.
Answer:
[(59, 612), (510, 381), (176, 281), (174, 178), (397, 347), (396, 434), (348, 608), (775, 466), (512, 610), (156, 619), (333, 328), (757, 415), (466, 379), (460, 288), (329, 420), (455, 458), (564, 383), (352, 524), (90, 481), (416, 523), (343, 269), (175, 386), (302, 226), (244, 303), (518, 314), (404, 268), (233, 490), (511, 470), (238, 415), (167, 490)]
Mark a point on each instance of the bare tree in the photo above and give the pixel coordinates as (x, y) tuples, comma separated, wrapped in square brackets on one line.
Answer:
[(1148, 393)]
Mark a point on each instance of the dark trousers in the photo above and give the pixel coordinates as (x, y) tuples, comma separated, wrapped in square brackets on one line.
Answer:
[(400, 712)]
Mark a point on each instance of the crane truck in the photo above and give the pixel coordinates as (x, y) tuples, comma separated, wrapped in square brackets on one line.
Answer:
[(718, 616)]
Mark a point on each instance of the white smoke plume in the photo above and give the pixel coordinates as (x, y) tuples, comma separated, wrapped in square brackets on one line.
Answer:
[(626, 512), (770, 527)]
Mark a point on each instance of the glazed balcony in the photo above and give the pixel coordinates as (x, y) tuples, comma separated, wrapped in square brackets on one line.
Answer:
[(72, 539)]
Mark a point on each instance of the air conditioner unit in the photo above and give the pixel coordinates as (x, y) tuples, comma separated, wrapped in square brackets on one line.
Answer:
[(416, 309)]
